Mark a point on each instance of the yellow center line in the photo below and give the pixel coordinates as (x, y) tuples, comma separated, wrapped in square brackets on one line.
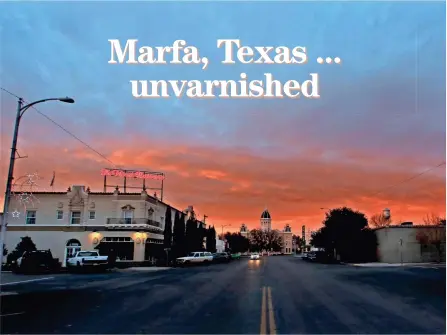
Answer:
[(271, 314), (263, 312)]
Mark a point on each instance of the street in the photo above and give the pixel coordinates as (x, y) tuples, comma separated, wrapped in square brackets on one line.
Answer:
[(282, 294)]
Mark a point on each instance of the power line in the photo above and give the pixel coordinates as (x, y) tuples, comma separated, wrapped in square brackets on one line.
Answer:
[(64, 129), (409, 179)]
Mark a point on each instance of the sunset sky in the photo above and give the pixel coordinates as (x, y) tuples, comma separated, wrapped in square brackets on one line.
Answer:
[(380, 119)]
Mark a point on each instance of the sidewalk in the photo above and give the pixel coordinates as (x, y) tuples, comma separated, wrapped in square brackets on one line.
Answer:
[(383, 265)]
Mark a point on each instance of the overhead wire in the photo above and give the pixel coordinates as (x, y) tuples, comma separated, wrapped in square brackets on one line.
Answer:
[(410, 178), (63, 128)]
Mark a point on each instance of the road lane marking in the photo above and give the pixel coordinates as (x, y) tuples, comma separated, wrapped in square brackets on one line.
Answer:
[(264, 312), (12, 314), (272, 323), (26, 281)]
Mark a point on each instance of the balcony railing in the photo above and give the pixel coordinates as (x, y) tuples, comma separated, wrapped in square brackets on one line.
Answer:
[(133, 222)]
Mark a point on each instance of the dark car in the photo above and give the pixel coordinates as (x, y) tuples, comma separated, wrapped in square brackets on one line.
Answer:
[(221, 257), (321, 257), (37, 261)]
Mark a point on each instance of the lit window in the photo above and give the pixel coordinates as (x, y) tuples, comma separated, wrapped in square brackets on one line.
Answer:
[(60, 215), (75, 217), (92, 215), (30, 217)]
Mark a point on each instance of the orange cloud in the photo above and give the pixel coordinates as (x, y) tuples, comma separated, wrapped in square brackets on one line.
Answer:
[(232, 187)]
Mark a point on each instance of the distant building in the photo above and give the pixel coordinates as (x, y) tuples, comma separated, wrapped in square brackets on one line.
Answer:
[(408, 243), (220, 245), (266, 225)]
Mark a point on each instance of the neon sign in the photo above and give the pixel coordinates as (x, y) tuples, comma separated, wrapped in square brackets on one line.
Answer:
[(132, 174)]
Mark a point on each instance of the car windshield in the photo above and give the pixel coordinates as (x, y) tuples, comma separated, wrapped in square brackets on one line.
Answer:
[(87, 254), (191, 254)]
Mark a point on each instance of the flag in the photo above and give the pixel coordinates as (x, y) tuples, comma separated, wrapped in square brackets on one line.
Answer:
[(52, 179)]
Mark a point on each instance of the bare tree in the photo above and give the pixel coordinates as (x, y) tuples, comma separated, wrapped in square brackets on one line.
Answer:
[(379, 220), (433, 220), (265, 240), (432, 237)]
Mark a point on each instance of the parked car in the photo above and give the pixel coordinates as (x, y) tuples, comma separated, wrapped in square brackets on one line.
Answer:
[(236, 256), (88, 259), (312, 256), (36, 262), (254, 256), (198, 257), (221, 257)]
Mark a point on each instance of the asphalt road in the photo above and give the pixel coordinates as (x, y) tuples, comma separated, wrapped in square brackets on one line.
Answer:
[(274, 295)]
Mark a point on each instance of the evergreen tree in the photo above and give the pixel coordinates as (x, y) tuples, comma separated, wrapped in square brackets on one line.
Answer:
[(167, 242), (211, 239), (200, 236), (191, 235), (182, 230), (176, 235), (178, 246)]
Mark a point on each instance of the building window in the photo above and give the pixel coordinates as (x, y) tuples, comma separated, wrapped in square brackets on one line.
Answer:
[(30, 217), (92, 215), (75, 217), (128, 216), (60, 215)]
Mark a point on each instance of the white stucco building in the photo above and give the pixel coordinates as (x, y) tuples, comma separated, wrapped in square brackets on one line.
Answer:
[(130, 224), (266, 225)]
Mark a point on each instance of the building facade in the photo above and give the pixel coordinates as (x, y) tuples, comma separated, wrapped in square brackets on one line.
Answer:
[(266, 225), (130, 225), (411, 244)]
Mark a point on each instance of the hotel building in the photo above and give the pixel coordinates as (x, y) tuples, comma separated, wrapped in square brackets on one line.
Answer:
[(131, 224)]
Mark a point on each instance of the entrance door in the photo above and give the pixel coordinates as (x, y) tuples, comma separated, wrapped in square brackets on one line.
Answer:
[(73, 246)]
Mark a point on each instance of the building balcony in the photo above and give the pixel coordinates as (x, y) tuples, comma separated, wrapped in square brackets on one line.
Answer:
[(134, 224)]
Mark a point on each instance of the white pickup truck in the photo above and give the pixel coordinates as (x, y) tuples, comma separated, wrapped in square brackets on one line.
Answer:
[(84, 259), (197, 257)]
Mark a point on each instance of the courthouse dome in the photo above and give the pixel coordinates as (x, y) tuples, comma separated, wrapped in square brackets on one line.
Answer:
[(265, 214)]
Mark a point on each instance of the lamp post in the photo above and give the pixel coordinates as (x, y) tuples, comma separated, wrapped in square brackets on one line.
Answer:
[(20, 111), (223, 226)]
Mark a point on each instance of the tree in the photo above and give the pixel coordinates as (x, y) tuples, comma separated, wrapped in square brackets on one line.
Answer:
[(379, 220), (433, 220), (274, 240), (200, 236), (179, 239), (434, 237), (258, 240), (211, 239), (25, 245), (265, 240), (236, 242), (319, 239), (297, 240), (345, 233), (167, 234), (191, 235)]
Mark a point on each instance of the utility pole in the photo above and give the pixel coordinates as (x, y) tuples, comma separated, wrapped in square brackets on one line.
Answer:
[(204, 218), (227, 225), (20, 111)]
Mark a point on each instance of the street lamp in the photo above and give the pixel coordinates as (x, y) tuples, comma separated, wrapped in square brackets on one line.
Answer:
[(223, 226), (20, 111)]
